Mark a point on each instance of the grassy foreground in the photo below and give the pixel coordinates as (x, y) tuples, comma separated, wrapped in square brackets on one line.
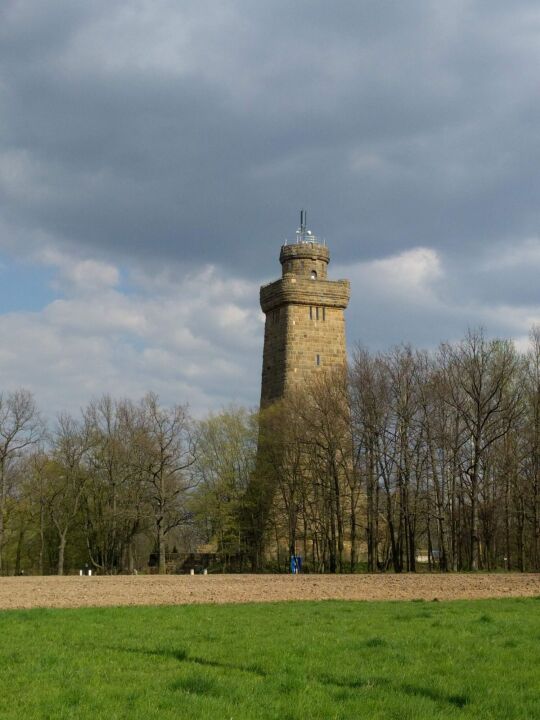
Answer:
[(478, 659)]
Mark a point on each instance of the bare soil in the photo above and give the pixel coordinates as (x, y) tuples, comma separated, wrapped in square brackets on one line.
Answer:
[(70, 592)]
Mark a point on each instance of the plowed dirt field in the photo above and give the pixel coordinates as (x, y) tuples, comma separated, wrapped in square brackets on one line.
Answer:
[(65, 592)]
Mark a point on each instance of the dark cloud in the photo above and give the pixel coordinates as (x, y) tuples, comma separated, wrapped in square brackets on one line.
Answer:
[(194, 132)]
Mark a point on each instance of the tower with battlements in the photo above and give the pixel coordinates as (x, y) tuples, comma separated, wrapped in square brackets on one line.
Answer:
[(305, 324)]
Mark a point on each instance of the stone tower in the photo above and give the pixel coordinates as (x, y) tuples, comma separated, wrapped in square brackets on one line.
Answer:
[(305, 325)]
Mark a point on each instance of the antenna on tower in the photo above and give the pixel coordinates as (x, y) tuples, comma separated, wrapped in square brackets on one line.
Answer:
[(303, 235)]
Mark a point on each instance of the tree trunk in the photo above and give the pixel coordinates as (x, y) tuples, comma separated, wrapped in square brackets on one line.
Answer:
[(474, 531), (130, 558), (474, 538), (508, 553), (371, 516), (2, 509), (162, 563), (61, 553), (41, 536), (353, 532), (339, 518), (19, 551)]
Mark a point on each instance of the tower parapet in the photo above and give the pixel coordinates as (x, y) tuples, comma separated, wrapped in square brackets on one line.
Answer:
[(305, 260), (305, 324)]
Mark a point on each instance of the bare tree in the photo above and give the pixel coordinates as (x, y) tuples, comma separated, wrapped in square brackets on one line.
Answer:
[(370, 398), (115, 500), (168, 441), (480, 385), (20, 429), (529, 448), (67, 475)]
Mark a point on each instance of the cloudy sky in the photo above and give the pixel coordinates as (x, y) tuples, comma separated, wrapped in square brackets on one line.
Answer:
[(154, 155)]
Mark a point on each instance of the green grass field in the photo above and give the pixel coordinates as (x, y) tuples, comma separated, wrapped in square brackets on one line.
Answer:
[(478, 659)]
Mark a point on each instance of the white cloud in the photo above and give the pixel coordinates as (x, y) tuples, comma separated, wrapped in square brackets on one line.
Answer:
[(76, 275), (89, 274), (409, 276), (423, 296), (197, 340)]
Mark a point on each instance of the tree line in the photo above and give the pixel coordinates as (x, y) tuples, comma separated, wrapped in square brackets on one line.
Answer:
[(406, 457)]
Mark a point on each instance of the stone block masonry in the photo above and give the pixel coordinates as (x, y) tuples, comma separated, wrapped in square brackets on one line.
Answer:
[(305, 323)]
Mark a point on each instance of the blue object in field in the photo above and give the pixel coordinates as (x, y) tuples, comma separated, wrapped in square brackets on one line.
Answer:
[(296, 564)]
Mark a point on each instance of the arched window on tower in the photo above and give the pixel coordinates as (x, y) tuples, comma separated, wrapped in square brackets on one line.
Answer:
[(313, 274)]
